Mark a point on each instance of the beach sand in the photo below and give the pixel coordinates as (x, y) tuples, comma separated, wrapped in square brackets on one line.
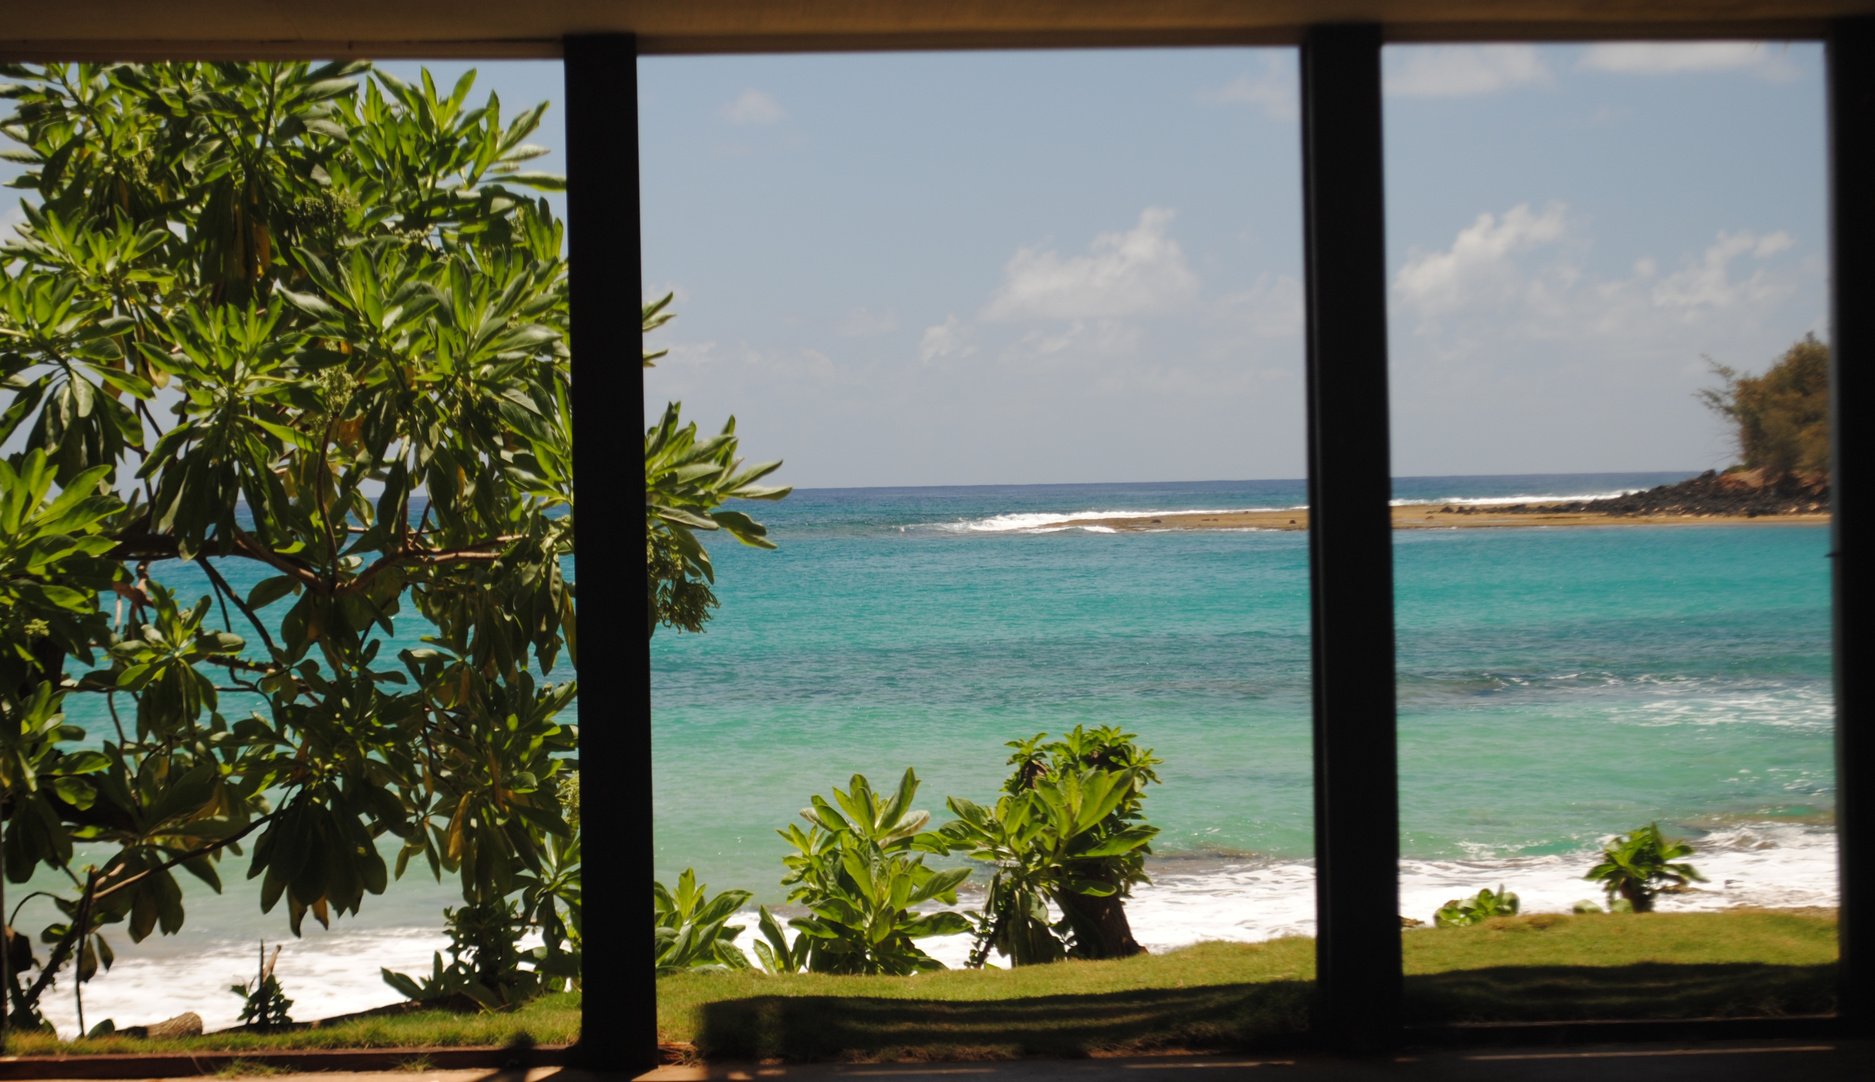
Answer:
[(1431, 517)]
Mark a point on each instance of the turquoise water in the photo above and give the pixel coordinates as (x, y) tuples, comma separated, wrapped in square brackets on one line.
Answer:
[(1555, 686)]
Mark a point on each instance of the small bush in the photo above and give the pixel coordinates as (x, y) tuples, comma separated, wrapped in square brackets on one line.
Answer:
[(1486, 904)]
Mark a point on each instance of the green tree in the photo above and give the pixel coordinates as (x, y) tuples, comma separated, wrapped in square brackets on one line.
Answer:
[(1781, 418), (1068, 831), (1641, 865), (312, 320)]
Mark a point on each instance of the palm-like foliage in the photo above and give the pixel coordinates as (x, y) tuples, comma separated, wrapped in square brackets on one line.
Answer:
[(1068, 831), (860, 871), (693, 929), (1640, 865)]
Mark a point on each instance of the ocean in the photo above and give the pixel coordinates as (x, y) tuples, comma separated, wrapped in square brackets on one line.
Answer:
[(1556, 686)]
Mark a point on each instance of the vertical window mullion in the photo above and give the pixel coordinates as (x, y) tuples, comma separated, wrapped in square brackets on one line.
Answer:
[(618, 1013), (1350, 538), (1850, 64)]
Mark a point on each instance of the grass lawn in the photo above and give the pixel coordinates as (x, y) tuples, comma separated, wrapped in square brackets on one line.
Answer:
[(551, 1019), (1217, 996)]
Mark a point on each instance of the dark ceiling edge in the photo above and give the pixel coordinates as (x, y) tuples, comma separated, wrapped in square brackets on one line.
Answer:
[(146, 49)]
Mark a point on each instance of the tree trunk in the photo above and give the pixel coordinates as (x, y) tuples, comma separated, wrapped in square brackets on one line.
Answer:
[(1099, 926)]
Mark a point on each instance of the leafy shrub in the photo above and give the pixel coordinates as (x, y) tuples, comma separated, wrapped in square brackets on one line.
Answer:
[(1460, 912), (485, 960), (860, 871), (1068, 831), (692, 928), (1638, 866)]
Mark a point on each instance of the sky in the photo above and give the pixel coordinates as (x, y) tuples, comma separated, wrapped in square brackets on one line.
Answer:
[(976, 268)]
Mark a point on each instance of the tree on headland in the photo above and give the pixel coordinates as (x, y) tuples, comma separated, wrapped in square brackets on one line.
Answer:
[(1781, 418), (302, 327)]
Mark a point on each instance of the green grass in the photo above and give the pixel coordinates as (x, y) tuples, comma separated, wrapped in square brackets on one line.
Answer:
[(551, 1019), (1218, 996), (1548, 967)]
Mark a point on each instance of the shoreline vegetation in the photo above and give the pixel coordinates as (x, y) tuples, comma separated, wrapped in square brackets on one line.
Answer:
[(1733, 498)]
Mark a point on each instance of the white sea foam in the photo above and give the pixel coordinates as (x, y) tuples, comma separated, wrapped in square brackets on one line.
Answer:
[(1784, 708), (1052, 521), (1503, 501), (324, 975)]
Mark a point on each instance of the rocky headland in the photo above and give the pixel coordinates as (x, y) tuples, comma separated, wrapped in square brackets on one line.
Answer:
[(1733, 494)]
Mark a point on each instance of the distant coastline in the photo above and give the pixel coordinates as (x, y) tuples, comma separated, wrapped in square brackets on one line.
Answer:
[(1710, 499)]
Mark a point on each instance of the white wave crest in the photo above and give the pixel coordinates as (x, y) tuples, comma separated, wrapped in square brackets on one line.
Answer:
[(1505, 501), (1052, 521)]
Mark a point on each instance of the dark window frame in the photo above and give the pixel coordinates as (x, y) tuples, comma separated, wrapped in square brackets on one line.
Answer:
[(1350, 547), (1350, 543)]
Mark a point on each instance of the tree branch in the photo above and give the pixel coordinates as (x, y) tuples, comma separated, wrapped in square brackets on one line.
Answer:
[(227, 592)]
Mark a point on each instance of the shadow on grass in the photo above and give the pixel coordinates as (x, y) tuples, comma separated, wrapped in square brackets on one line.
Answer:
[(1648, 990), (1235, 1017), (868, 1028)]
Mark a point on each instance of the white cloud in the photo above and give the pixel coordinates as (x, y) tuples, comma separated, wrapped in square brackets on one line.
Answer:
[(1081, 339), (1708, 282), (1272, 306), (753, 107), (1474, 268), (803, 363), (689, 355), (865, 323), (1454, 71), (1765, 60), (1136, 273), (947, 339), (1516, 277), (1271, 90)]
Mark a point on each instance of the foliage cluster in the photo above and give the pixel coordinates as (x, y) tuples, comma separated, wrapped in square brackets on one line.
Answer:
[(305, 318), (1641, 865), (1460, 912), (1068, 832), (1782, 416), (693, 929), (859, 869)]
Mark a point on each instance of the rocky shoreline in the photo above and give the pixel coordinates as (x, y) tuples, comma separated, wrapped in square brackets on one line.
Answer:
[(1734, 494)]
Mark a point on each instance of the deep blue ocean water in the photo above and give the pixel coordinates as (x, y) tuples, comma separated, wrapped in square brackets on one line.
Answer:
[(1555, 686)]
